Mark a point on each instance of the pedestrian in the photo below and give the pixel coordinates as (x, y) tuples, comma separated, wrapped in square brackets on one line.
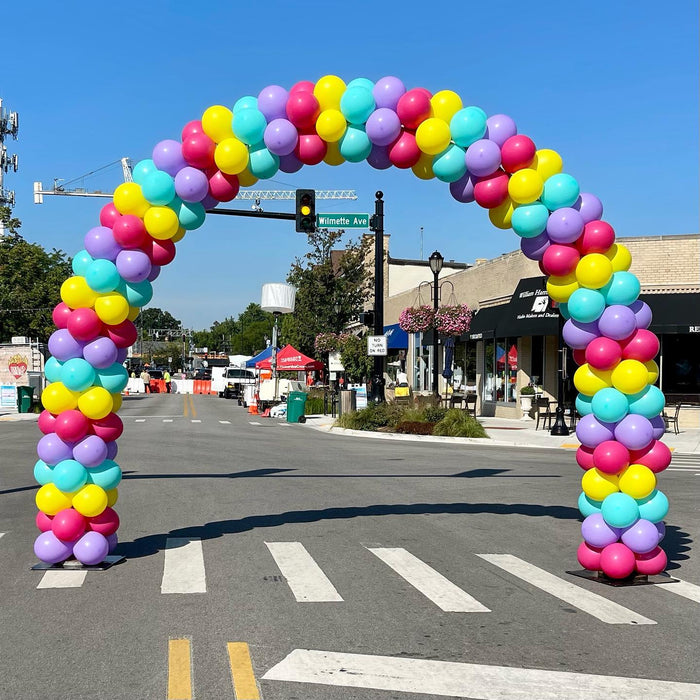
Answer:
[(167, 380), (146, 379)]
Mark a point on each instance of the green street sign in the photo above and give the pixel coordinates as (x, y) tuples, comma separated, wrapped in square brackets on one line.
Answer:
[(342, 220)]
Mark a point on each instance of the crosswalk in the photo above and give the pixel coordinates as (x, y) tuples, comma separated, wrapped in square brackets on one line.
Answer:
[(685, 462)]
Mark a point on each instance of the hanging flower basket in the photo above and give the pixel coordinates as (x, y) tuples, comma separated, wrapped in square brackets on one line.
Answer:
[(326, 342), (453, 320), (417, 319)]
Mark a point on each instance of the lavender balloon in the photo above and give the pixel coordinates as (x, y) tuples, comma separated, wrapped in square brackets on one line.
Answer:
[(642, 313), (660, 529), (122, 354), (167, 156), (634, 431), (153, 274), (112, 449), (101, 352), (91, 548), (387, 92), (534, 248), (597, 532), (90, 451), (383, 126), (52, 450), (577, 335), (499, 128), (463, 189), (590, 207), (591, 432), (378, 157), (191, 184), (48, 548), (483, 157), (133, 265), (641, 537), (658, 426), (112, 542), (617, 322), (63, 346), (209, 202), (100, 243), (281, 137), (564, 225), (272, 102), (290, 163)]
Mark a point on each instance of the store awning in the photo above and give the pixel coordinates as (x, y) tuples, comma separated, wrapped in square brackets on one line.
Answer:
[(396, 339), (530, 311), (484, 323), (674, 313)]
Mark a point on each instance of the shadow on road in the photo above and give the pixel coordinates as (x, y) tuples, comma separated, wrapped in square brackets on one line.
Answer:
[(676, 543)]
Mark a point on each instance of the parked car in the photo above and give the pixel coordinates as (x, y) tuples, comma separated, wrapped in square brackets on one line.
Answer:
[(235, 379)]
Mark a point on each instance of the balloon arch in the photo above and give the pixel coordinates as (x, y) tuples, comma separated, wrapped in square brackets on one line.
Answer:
[(483, 159)]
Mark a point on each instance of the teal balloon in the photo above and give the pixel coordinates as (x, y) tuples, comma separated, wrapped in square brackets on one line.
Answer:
[(113, 378), (564, 310), (247, 102), (191, 215), (583, 404), (648, 403), (586, 305), (530, 220), (356, 104), (249, 125), (102, 276), (355, 145), (619, 510), (263, 164), (142, 170), (587, 506), (366, 83), (53, 369), (43, 473), (107, 475), (450, 165), (609, 405), (158, 188), (560, 190), (136, 293), (467, 126), (77, 374), (69, 475), (81, 261), (654, 507), (623, 288)]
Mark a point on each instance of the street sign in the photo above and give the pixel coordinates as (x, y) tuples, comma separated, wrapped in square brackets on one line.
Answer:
[(342, 221), (376, 345)]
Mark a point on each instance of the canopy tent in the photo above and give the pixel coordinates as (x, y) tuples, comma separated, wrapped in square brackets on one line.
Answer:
[(289, 359), (267, 352)]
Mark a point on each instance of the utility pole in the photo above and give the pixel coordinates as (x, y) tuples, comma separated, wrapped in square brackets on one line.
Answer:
[(9, 126), (376, 224)]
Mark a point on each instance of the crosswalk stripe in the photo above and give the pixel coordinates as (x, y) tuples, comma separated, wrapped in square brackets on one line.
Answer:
[(591, 603), (464, 680), (167, 420), (242, 674), (196, 421), (183, 570), (225, 422), (433, 585), (683, 588), (304, 576), (1, 534), (57, 578), (139, 420), (179, 669)]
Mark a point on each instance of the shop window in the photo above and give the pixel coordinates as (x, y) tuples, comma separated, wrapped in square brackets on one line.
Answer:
[(680, 364), (464, 366), (537, 360), (500, 370), (421, 363)]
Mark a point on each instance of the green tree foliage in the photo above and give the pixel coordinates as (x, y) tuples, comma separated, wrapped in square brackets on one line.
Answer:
[(353, 354), (155, 318), (30, 283)]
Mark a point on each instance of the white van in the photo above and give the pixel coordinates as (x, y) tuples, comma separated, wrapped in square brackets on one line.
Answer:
[(229, 384)]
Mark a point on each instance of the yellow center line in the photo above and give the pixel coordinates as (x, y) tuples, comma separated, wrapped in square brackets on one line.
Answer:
[(244, 684), (179, 670), (194, 412), (186, 406)]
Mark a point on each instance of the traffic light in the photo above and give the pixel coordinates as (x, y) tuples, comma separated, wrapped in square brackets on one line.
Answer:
[(306, 211)]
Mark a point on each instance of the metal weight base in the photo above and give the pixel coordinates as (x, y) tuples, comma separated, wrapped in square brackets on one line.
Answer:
[(634, 580), (75, 565)]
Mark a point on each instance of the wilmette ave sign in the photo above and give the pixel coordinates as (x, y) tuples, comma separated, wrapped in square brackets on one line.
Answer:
[(342, 220)]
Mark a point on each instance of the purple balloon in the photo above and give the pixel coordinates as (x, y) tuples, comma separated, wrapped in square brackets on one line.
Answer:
[(112, 449), (101, 352), (642, 313), (90, 451), (99, 242), (290, 163), (383, 126), (54, 450), (590, 207), (564, 225), (281, 137), (167, 156), (50, 549), (91, 548), (660, 529), (641, 537), (133, 265), (577, 335), (209, 202), (463, 189), (112, 542), (191, 184), (483, 157), (591, 432), (499, 128), (153, 274), (617, 322), (634, 431), (597, 532), (272, 102), (63, 346), (387, 91), (534, 248), (378, 157), (658, 426)]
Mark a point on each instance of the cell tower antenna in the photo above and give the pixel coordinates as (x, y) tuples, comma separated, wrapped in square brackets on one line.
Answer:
[(9, 126)]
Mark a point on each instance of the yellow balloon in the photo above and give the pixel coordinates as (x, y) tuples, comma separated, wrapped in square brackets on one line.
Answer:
[(328, 91), (246, 178), (231, 156), (57, 397), (95, 403), (637, 481), (331, 125), (525, 186), (424, 167), (161, 222), (561, 288), (589, 380), (76, 293), (547, 163), (594, 271), (50, 500), (333, 155), (112, 496), (116, 402), (112, 308), (129, 199), (433, 136), (444, 105), (620, 257), (90, 501), (630, 376), (134, 311), (598, 485), (652, 371), (217, 123), (501, 215), (179, 235)]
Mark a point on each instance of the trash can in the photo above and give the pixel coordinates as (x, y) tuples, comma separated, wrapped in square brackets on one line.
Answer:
[(25, 396), (348, 401), (296, 402)]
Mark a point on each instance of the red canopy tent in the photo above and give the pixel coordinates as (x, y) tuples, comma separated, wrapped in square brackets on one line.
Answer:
[(289, 359)]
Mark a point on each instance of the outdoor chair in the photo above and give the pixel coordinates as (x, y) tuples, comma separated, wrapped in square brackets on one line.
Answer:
[(543, 412), (671, 421), (456, 401), (470, 404)]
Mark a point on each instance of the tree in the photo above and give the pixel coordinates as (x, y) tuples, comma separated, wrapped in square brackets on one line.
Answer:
[(155, 318), (353, 354)]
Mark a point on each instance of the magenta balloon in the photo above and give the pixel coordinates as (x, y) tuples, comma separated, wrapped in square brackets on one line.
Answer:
[(617, 322), (63, 346), (387, 92), (99, 242), (591, 432), (101, 352), (642, 313), (153, 274), (91, 548), (598, 533), (191, 184), (378, 157), (658, 427), (167, 156), (534, 248), (641, 537), (634, 431), (281, 137), (463, 189), (133, 265), (499, 128), (272, 102), (48, 548), (577, 335), (54, 450), (290, 163), (589, 206), (564, 225), (383, 126), (483, 157), (91, 451)]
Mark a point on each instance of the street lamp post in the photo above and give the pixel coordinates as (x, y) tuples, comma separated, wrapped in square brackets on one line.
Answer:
[(436, 260), (560, 427)]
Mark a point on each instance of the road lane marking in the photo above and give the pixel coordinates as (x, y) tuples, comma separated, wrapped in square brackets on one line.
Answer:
[(195, 421), (167, 420), (139, 420), (683, 588), (432, 584), (1, 534), (193, 411), (225, 422), (308, 583), (591, 603), (179, 669), (242, 674), (463, 680), (254, 422), (185, 406), (57, 578), (183, 569)]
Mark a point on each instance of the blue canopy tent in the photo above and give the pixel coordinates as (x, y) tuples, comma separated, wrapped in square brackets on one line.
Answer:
[(264, 355)]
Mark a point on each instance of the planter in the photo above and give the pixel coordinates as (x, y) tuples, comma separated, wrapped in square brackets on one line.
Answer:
[(525, 403)]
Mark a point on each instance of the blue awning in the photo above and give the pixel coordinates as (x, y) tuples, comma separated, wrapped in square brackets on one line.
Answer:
[(396, 339), (267, 352)]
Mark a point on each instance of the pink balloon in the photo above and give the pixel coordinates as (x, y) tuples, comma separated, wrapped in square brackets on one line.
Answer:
[(656, 455), (129, 231), (192, 128), (611, 457), (302, 86), (589, 556), (603, 353), (517, 153), (224, 187), (651, 563), (109, 215), (311, 149), (302, 109), (84, 324), (108, 428), (123, 335), (584, 457), (642, 345), (560, 259), (198, 150), (106, 523), (60, 315), (597, 237), (404, 152), (617, 560), (68, 524), (492, 190), (71, 425), (47, 422), (43, 521), (160, 252), (413, 107)]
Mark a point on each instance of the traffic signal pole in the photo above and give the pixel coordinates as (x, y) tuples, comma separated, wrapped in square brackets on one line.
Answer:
[(377, 225)]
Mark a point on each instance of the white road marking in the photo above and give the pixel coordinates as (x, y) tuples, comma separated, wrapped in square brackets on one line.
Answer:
[(687, 590), (308, 583), (580, 598), (1, 534), (167, 420), (139, 420), (433, 585), (254, 422), (183, 570), (195, 420), (57, 578), (225, 422), (462, 680)]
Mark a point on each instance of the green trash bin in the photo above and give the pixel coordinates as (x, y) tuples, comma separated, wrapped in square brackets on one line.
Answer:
[(296, 403), (25, 396)]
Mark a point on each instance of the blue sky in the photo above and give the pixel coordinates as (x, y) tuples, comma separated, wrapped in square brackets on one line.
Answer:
[(613, 87)]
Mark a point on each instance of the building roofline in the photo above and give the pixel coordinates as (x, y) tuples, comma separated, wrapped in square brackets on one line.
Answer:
[(426, 263)]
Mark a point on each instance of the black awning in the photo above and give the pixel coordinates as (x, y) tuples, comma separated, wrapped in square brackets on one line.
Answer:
[(674, 313), (530, 311), (484, 323)]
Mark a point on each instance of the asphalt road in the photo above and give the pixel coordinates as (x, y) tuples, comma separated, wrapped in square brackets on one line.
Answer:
[(202, 477)]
